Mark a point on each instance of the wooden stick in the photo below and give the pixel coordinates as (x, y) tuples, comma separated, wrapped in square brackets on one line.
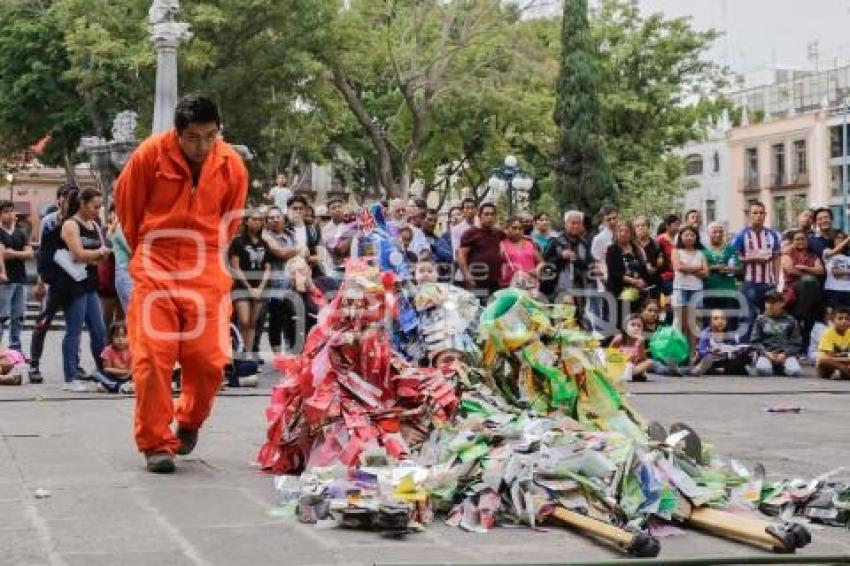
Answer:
[(745, 529), (638, 544)]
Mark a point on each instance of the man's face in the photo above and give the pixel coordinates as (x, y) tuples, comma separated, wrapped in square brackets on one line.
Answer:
[(805, 219), (256, 223), (415, 218), (197, 141), (413, 210), (337, 211), (694, 219), (296, 212), (488, 217), (841, 321), (456, 216), (280, 181), (642, 229), (610, 221), (469, 211), (824, 221), (430, 223), (275, 221), (757, 216), (7, 216), (527, 223), (575, 227)]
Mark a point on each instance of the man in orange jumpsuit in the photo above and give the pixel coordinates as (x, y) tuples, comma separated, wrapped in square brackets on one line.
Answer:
[(179, 200)]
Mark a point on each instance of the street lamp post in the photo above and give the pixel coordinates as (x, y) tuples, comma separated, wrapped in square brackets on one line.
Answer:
[(107, 158), (510, 177), (844, 168), (10, 179)]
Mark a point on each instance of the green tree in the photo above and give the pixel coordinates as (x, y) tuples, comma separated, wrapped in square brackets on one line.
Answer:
[(657, 92), (583, 178)]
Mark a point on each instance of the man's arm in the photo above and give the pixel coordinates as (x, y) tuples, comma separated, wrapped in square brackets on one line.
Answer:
[(235, 200), (131, 191)]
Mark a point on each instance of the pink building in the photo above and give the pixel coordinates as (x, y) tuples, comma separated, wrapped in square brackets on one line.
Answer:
[(783, 163)]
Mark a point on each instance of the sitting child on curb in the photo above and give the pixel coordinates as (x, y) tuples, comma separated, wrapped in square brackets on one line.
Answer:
[(13, 366), (777, 339), (834, 347), (632, 343), (116, 376), (720, 352)]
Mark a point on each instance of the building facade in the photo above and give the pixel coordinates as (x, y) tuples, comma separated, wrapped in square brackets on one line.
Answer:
[(707, 174), (783, 163)]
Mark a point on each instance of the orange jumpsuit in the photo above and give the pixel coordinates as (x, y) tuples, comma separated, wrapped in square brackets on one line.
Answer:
[(180, 307)]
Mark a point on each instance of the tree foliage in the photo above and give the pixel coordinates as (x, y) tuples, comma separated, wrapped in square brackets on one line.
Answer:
[(583, 175)]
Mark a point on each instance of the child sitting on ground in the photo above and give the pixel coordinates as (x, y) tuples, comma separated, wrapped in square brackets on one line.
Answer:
[(817, 332), (13, 366), (632, 343), (116, 376), (834, 347), (777, 339), (720, 351)]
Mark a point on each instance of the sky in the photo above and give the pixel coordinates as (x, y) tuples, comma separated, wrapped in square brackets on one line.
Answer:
[(762, 33)]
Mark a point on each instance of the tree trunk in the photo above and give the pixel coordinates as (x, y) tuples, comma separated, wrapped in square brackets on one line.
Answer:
[(383, 157)]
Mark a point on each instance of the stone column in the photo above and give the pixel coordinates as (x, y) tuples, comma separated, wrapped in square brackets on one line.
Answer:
[(167, 37)]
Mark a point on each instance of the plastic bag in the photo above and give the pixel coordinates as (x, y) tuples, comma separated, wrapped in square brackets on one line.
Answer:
[(669, 345)]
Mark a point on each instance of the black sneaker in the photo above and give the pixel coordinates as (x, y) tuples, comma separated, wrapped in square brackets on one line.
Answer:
[(188, 439), (35, 376), (160, 462)]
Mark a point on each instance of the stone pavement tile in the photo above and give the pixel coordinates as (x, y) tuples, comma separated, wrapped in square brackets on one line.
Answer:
[(21, 547), (207, 506), (90, 534), (13, 514), (168, 558), (258, 545), (107, 504), (10, 490)]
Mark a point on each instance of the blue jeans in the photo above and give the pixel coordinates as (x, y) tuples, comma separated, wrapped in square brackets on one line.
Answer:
[(755, 292), (123, 286), (84, 308), (13, 306)]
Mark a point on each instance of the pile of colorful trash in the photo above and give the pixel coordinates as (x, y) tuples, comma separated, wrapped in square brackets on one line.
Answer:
[(520, 419)]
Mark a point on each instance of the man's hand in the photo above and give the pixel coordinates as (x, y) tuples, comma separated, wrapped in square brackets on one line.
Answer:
[(568, 255)]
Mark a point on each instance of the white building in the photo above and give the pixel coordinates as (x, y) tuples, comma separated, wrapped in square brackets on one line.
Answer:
[(707, 167)]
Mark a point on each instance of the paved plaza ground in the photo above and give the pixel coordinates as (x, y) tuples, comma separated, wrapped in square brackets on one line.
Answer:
[(103, 508)]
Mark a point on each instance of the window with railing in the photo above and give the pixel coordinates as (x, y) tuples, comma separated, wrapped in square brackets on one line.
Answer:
[(836, 177), (710, 211), (836, 141), (693, 165), (780, 214), (801, 167), (778, 164), (751, 161)]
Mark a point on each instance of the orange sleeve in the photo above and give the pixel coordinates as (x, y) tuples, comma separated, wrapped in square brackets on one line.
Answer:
[(237, 194), (134, 184)]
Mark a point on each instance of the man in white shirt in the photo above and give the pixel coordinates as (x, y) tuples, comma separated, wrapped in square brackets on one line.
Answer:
[(336, 237), (279, 194), (469, 210), (598, 249), (415, 217)]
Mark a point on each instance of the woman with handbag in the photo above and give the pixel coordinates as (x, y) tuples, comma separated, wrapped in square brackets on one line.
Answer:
[(80, 250)]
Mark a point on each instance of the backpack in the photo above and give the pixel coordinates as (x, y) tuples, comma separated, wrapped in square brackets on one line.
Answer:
[(51, 241)]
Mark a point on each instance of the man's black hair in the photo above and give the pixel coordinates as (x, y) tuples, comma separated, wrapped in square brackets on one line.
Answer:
[(842, 310), (671, 219), (606, 210), (63, 189), (297, 198), (195, 108), (468, 200), (823, 209), (333, 200), (6, 205), (486, 205), (420, 203)]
